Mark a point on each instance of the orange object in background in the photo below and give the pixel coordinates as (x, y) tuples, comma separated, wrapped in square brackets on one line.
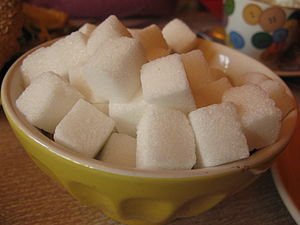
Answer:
[(47, 18), (288, 167), (42, 24)]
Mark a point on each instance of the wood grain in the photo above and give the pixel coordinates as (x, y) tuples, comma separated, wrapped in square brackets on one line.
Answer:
[(29, 197)]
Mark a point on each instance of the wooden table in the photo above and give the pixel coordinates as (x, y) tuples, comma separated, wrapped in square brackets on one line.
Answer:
[(29, 197)]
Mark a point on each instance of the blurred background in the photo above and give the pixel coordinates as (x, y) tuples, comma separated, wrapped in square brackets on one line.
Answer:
[(25, 24)]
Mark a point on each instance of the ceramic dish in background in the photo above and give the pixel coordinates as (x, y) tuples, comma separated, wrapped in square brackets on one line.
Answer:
[(286, 174), (266, 30), (279, 68), (284, 70), (135, 196), (260, 29), (285, 73)]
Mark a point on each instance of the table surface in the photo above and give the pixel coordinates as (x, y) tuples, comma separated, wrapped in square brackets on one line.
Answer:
[(28, 196)]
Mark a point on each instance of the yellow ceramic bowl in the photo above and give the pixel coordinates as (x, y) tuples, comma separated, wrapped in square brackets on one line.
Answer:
[(135, 196)]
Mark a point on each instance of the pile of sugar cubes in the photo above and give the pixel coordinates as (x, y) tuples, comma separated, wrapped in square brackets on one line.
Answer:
[(147, 98)]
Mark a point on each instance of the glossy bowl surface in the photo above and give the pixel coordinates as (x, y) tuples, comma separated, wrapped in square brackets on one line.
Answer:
[(135, 196)]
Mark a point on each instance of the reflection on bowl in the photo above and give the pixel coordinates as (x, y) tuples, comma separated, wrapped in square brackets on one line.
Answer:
[(135, 196)]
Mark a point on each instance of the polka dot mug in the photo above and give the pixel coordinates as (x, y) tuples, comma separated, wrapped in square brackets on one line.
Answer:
[(261, 30)]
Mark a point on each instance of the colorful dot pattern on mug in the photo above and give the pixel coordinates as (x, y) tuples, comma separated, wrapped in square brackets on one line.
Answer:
[(251, 14), (261, 40), (229, 7), (276, 28), (236, 40), (290, 24), (280, 35), (275, 47), (292, 27), (272, 19)]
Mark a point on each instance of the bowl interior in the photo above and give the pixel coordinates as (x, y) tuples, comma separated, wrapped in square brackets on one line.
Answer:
[(228, 60)]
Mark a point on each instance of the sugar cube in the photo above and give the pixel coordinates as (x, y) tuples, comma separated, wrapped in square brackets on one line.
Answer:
[(72, 49), (212, 93), (277, 92), (127, 115), (77, 80), (58, 58), (249, 77), (259, 116), (47, 100), (152, 40), (165, 140), (103, 107), (87, 28), (110, 28), (179, 36), (219, 136), (34, 64), (197, 69), (114, 71), (120, 150), (217, 73), (84, 129), (164, 82)]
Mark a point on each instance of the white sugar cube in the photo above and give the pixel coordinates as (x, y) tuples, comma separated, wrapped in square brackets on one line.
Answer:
[(212, 93), (249, 77), (165, 140), (164, 82), (119, 150), (87, 28), (34, 64), (179, 36), (259, 116), (84, 129), (114, 71), (103, 107), (217, 73), (127, 115), (253, 77), (152, 40), (110, 28), (277, 92), (77, 80), (58, 58), (71, 49), (197, 69), (219, 136), (47, 100)]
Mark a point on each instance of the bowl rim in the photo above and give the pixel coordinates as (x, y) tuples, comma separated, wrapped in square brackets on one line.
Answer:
[(260, 157)]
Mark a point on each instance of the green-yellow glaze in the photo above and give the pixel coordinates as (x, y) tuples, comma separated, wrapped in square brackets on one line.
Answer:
[(129, 198)]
